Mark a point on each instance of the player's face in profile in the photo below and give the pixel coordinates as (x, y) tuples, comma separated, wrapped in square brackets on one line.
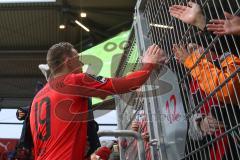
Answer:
[(76, 64)]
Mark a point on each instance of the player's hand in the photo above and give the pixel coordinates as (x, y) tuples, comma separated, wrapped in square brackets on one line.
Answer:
[(191, 14), (209, 124), (154, 55), (230, 25)]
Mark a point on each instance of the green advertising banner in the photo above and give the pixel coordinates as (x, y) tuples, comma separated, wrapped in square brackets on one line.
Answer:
[(104, 58)]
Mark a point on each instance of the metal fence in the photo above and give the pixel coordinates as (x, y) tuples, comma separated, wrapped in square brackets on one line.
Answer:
[(130, 106), (191, 108)]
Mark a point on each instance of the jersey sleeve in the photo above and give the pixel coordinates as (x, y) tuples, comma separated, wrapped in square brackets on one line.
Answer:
[(102, 87), (209, 76)]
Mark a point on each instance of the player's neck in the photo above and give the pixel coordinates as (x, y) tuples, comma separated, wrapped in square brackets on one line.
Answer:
[(61, 73), (67, 71)]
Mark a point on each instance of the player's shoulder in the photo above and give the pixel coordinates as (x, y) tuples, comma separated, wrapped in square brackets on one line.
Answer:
[(73, 77), (42, 92)]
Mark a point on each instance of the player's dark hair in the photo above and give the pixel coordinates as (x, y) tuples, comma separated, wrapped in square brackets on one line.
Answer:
[(57, 53)]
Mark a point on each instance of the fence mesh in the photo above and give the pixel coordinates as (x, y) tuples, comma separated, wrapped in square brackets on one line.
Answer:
[(209, 86), (208, 77), (131, 104)]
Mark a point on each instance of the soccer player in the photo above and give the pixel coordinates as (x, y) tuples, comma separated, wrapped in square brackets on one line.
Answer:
[(59, 111)]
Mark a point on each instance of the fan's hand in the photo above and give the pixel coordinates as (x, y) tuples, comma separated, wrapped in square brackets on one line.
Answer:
[(191, 14), (180, 53), (209, 125), (230, 25)]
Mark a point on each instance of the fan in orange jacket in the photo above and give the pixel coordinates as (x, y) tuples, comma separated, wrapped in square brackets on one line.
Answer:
[(205, 73), (205, 80), (209, 76)]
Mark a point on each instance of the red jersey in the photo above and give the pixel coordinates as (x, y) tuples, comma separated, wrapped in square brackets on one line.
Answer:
[(58, 115)]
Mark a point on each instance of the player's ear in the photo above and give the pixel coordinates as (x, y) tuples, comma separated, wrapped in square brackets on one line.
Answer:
[(67, 61)]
